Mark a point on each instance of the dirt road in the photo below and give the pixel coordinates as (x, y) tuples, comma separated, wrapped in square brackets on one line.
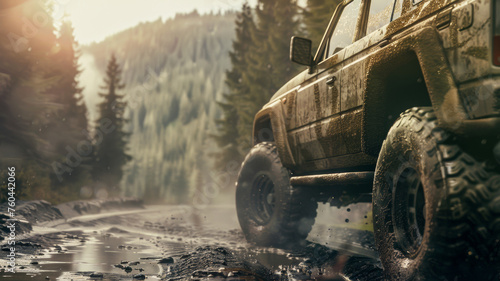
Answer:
[(183, 243)]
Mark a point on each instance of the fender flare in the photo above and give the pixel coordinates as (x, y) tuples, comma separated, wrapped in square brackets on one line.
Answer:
[(426, 44), (274, 113)]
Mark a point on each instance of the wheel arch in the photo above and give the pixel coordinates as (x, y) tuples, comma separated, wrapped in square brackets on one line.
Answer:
[(419, 54), (269, 125)]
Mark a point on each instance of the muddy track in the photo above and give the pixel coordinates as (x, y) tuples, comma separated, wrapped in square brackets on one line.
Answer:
[(180, 243)]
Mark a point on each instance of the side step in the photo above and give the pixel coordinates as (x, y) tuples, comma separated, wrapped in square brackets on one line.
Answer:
[(339, 189), (338, 179)]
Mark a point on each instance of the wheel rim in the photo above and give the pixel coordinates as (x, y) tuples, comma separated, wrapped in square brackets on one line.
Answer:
[(409, 217), (262, 198)]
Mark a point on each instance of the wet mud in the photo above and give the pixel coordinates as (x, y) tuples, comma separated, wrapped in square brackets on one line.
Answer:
[(182, 243)]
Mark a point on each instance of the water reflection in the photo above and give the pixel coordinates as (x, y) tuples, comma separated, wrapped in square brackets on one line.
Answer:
[(95, 254)]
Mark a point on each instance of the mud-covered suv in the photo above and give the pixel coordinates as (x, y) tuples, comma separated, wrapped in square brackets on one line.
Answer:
[(400, 106)]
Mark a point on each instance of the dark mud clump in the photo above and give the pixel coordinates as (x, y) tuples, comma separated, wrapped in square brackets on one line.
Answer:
[(323, 263), (215, 262), (25, 215), (22, 226)]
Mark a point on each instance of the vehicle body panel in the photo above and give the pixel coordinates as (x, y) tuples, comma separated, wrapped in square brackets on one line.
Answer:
[(341, 125)]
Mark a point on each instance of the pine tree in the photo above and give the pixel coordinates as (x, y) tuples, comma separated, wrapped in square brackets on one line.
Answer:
[(72, 115), (151, 189), (71, 118), (227, 139), (68, 57), (111, 146), (317, 15), (228, 136), (25, 77), (268, 65), (27, 45), (258, 74), (286, 25), (179, 187)]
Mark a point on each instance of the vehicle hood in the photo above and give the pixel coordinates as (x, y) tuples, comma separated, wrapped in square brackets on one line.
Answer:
[(293, 84)]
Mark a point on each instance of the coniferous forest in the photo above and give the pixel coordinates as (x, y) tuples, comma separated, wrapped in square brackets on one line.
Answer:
[(170, 117)]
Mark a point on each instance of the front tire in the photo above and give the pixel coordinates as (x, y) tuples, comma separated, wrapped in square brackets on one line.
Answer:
[(436, 214), (271, 212)]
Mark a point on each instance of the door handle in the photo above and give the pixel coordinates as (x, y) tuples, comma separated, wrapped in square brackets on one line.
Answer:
[(384, 43), (443, 19), (330, 81)]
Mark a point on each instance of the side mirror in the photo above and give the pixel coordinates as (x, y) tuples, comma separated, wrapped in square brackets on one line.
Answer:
[(300, 51)]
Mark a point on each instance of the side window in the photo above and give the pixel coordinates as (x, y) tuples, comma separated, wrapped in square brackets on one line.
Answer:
[(380, 14), (398, 9), (345, 29)]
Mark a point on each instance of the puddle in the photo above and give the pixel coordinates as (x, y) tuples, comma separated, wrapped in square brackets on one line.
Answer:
[(275, 261), (96, 254)]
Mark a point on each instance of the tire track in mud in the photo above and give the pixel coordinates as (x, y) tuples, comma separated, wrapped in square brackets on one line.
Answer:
[(174, 243)]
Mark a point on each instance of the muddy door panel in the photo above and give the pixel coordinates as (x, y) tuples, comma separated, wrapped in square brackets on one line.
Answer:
[(352, 80), (318, 105)]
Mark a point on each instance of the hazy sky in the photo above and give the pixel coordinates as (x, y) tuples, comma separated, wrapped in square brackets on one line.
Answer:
[(94, 20)]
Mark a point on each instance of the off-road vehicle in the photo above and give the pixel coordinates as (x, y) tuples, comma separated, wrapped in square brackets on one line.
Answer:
[(401, 105)]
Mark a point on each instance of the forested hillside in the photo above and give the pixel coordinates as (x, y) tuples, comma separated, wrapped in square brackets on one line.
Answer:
[(188, 88), (194, 84), (174, 72)]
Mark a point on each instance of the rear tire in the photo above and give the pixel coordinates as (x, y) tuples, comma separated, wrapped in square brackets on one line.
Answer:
[(436, 209), (271, 212)]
